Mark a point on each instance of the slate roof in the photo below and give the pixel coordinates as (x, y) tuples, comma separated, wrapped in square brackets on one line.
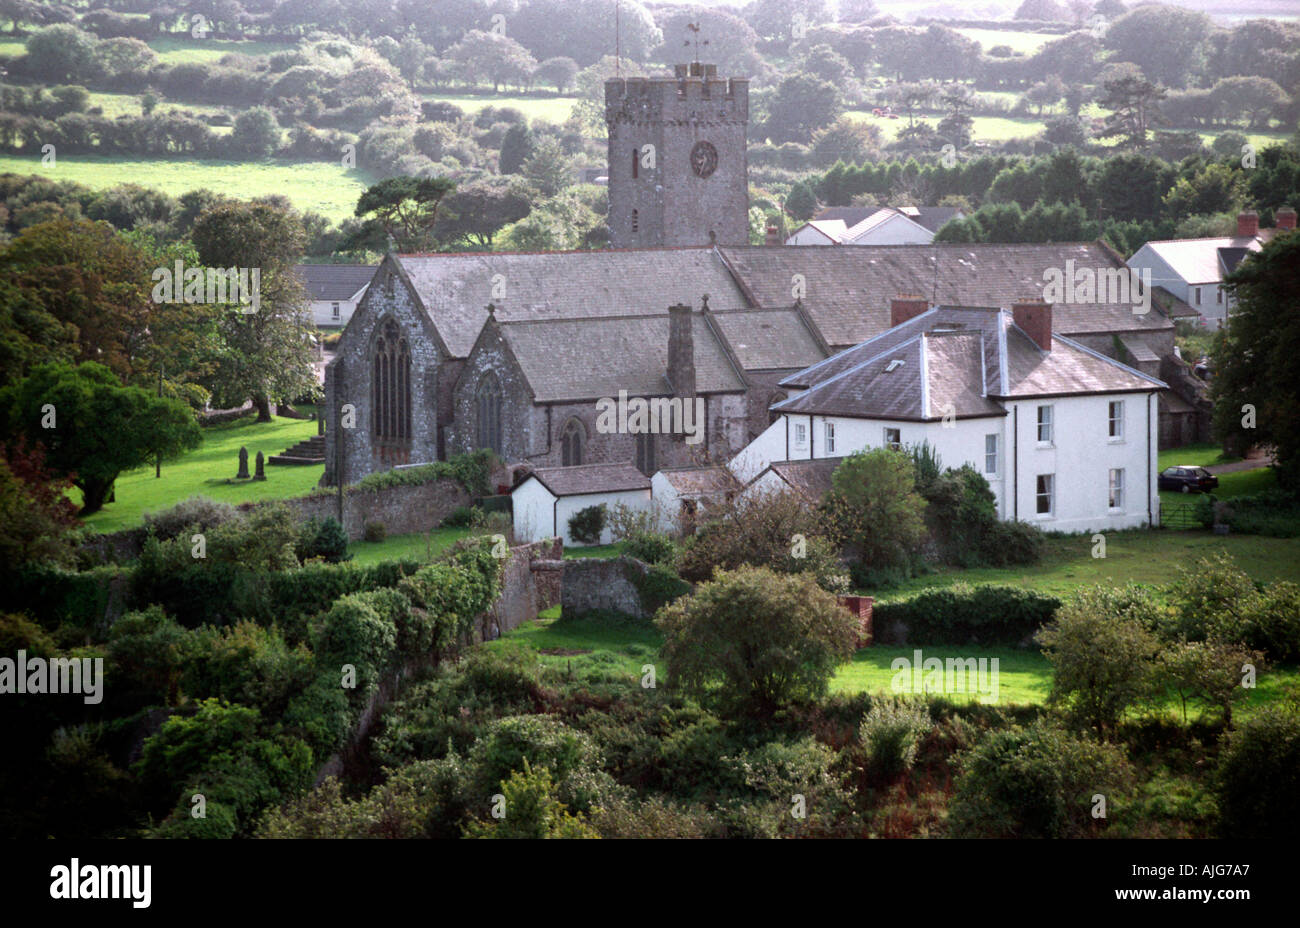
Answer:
[(1197, 260), (848, 290), (335, 282), (456, 288), (954, 360), (929, 217), (583, 359), (697, 482), (768, 339), (811, 479), (582, 479)]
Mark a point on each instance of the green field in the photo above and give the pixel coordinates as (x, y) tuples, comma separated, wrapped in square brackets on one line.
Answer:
[(208, 470), (325, 187), (547, 109), (179, 49), (1238, 483), (128, 104), (1024, 43), (419, 546)]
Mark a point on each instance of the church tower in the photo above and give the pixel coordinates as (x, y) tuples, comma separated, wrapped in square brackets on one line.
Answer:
[(678, 170)]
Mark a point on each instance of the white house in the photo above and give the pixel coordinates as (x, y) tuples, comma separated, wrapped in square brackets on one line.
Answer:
[(545, 500), (680, 493), (335, 290), (867, 225), (1193, 269), (1066, 436)]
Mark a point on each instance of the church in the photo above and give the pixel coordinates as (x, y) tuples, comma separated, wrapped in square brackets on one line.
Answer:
[(519, 352)]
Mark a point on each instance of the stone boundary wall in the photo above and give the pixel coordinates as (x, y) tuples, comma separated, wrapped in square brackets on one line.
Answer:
[(603, 584)]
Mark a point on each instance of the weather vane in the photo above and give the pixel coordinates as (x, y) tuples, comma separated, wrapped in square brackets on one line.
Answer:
[(695, 28)]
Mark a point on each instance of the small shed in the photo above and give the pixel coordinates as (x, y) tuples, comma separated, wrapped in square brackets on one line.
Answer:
[(547, 498), (811, 479), (681, 494)]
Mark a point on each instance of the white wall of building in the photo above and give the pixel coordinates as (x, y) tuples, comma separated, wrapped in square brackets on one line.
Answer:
[(809, 235), (1209, 299), (896, 230), (538, 514), (323, 311)]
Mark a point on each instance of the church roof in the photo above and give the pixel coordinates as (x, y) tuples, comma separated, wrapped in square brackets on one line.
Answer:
[(847, 290), (456, 288), (583, 359), (581, 479), (766, 339)]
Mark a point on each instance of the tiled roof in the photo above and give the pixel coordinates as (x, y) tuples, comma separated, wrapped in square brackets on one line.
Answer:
[(456, 288), (954, 360), (769, 339), (582, 479), (1196, 260), (329, 282), (581, 359), (848, 290), (695, 482), (811, 479)]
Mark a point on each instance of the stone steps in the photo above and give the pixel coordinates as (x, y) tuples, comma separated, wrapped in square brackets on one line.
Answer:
[(311, 451)]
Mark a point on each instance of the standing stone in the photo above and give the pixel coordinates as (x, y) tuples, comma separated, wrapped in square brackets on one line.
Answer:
[(243, 465), (260, 473), (320, 424)]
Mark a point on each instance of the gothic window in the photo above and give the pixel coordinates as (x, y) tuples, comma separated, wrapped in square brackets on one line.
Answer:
[(645, 453), (390, 392), (571, 442), (636, 220), (488, 403), (636, 164)]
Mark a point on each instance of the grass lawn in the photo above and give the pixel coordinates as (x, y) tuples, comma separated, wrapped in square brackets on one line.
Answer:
[(620, 648), (421, 546), (207, 470), (1024, 43), (178, 49), (1238, 483), (547, 109), (1138, 556), (1024, 677), (128, 104), (613, 550), (325, 187)]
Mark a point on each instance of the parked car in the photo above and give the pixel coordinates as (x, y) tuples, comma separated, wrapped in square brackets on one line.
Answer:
[(1187, 479)]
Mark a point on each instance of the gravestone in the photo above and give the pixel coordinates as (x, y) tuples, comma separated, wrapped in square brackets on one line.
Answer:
[(243, 464), (260, 472)]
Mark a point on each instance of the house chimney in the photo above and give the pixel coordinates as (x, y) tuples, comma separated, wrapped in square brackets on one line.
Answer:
[(1035, 319), (773, 238), (902, 308), (1284, 218), (1247, 224), (681, 350)]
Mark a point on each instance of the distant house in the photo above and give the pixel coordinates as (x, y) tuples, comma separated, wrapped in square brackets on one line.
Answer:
[(1192, 269), (545, 500), (811, 479), (1065, 436), (681, 494), (335, 290), (870, 225)]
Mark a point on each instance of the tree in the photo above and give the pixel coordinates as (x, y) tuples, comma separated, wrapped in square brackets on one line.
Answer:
[(1216, 188), (516, 146), (498, 58), (265, 353), (1064, 131), (1101, 654), (1135, 105), (802, 105), (1256, 98), (1257, 783), (475, 214), (1210, 671), (758, 639), (875, 507), (849, 140), (911, 96), (405, 209), (62, 53), (548, 168), (34, 510), (1043, 10), (256, 133), (1167, 42), (802, 202), (558, 72), (1256, 387), (92, 427)]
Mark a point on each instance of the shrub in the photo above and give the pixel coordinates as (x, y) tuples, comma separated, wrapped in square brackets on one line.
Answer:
[(962, 614), (374, 531), (651, 547), (323, 538), (1012, 544), (658, 587), (532, 810), (1035, 782), (197, 513), (471, 471), (543, 741), (586, 525), (1258, 779), (460, 517), (875, 507), (764, 639), (890, 732), (356, 632), (1210, 671)]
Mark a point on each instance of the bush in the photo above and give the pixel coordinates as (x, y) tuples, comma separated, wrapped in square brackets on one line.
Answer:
[(1258, 780), (374, 531), (1013, 544), (460, 517), (198, 513), (658, 587), (651, 547), (962, 614), (890, 732), (1274, 513), (471, 471), (1034, 783), (540, 740), (586, 525), (763, 639), (323, 538), (876, 509), (356, 632)]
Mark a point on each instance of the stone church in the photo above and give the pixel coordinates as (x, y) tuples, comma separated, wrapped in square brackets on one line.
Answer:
[(447, 353)]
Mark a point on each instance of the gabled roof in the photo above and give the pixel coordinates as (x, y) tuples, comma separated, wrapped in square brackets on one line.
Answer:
[(810, 479), (1197, 260), (582, 479), (456, 288), (848, 290), (335, 282), (697, 482), (583, 359), (958, 361), (768, 339)]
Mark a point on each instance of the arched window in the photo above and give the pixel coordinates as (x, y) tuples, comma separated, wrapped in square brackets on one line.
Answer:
[(645, 453), (636, 164), (572, 438), (488, 404), (390, 393), (636, 220)]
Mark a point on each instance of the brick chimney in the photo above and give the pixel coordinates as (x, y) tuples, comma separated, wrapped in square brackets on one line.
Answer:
[(773, 237), (1035, 319), (681, 350), (1284, 218), (902, 308), (1247, 224)]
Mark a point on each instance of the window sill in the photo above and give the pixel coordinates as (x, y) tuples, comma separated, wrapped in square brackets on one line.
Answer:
[(1044, 445)]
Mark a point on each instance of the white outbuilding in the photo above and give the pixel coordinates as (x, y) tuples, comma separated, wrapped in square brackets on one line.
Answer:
[(549, 497)]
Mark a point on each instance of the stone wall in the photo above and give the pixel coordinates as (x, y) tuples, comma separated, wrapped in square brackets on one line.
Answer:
[(603, 584)]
